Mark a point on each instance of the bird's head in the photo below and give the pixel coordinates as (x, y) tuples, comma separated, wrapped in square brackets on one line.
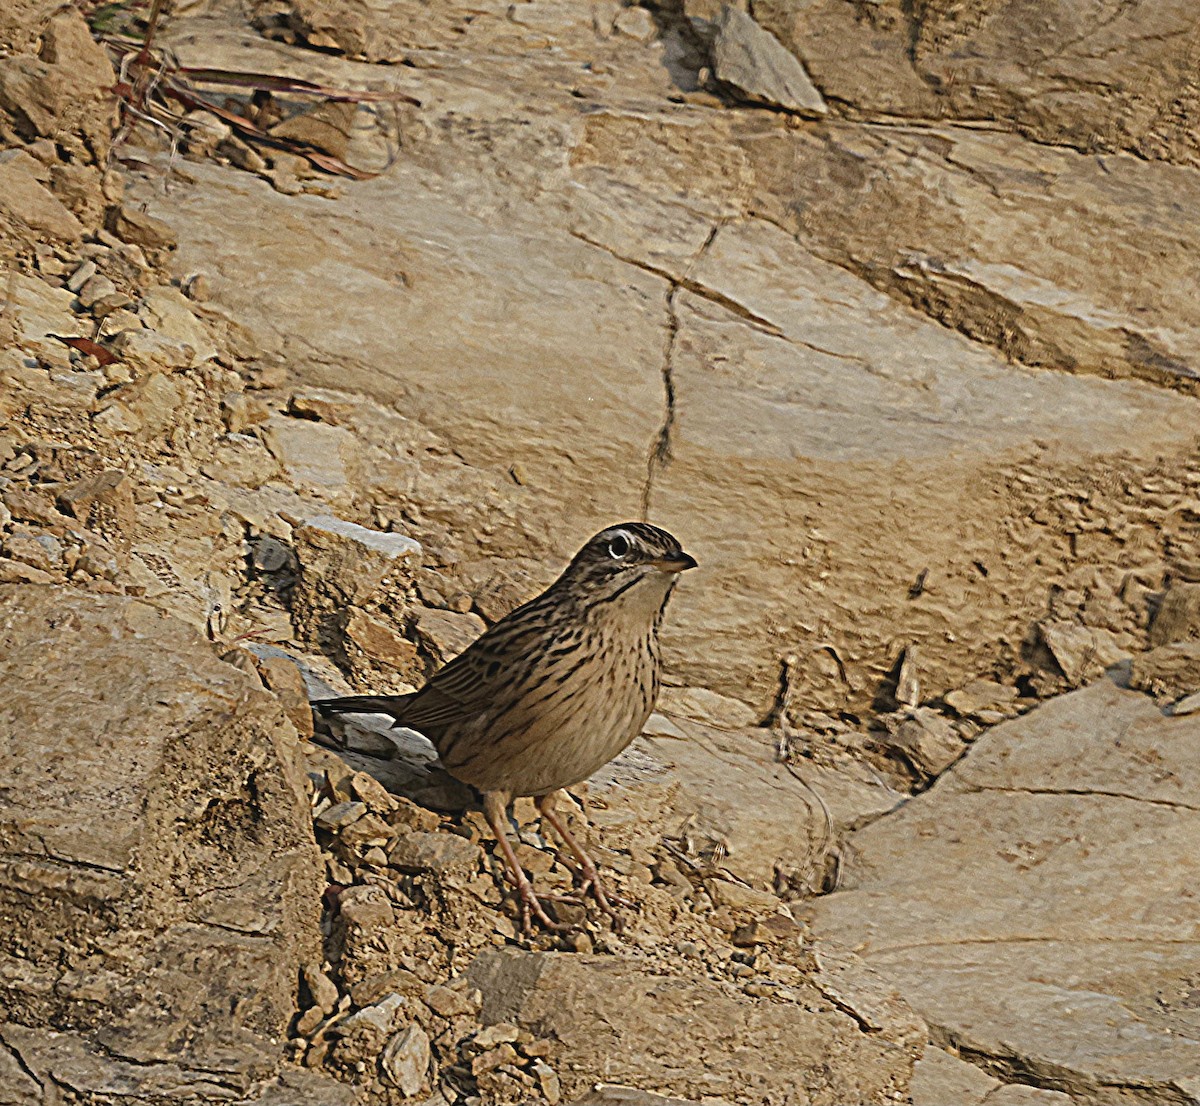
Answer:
[(633, 564)]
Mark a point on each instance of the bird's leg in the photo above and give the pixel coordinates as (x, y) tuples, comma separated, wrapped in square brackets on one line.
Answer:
[(495, 810), (591, 877)]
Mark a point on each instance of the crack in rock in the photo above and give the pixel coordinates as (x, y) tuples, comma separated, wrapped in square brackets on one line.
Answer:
[(1049, 1076), (19, 1060), (976, 789)]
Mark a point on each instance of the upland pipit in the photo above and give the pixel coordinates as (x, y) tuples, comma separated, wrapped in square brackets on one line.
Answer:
[(553, 691)]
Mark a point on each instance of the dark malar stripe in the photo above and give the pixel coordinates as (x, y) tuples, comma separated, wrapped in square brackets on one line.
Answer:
[(619, 592)]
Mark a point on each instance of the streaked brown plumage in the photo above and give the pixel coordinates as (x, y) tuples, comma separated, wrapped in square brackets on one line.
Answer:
[(554, 690)]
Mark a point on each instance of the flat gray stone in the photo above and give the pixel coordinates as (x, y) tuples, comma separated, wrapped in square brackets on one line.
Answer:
[(390, 545)]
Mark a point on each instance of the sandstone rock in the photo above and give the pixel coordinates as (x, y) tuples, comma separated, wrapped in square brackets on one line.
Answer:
[(272, 555), (752, 62), (81, 276), (239, 412), (365, 832), (148, 351), (96, 288), (16, 572), (65, 94), (1168, 671), (241, 461), (725, 791), (131, 224), (145, 409), (321, 988), (615, 1020), (379, 644), (611, 1094), (922, 739), (376, 1019), (942, 1079), (1018, 1094), (1190, 704), (162, 833), (29, 549), (167, 311), (320, 404), (371, 739), (635, 22), (103, 502), (373, 793), (365, 908), (1076, 825), (772, 929), (845, 348), (285, 680), (41, 312), (489, 1061), (983, 699), (314, 456), (1031, 72), (548, 1081), (32, 209), (409, 814), (859, 403), (1082, 652), (359, 558), (341, 815), (445, 634), (1178, 615), (448, 1002), (433, 852), (345, 566), (326, 127), (203, 132), (68, 1059), (706, 705), (28, 504), (85, 189)]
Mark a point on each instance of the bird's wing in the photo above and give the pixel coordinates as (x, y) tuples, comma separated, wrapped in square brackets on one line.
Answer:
[(469, 684)]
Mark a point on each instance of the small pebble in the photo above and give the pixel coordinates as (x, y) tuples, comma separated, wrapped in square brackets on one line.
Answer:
[(340, 815)]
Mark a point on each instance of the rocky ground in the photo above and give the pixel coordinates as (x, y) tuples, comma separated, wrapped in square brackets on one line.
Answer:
[(886, 311)]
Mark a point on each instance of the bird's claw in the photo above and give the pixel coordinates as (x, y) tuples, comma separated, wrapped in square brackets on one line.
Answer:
[(531, 907), (608, 902)]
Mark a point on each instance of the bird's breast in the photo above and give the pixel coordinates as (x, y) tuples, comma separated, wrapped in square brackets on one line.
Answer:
[(577, 711)]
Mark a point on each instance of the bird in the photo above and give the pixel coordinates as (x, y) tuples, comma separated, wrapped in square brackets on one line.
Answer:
[(552, 691)]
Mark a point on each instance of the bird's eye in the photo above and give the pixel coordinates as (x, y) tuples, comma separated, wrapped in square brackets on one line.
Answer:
[(618, 546)]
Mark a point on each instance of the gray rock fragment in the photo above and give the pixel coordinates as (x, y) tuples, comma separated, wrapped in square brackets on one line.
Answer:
[(405, 1060), (759, 68)]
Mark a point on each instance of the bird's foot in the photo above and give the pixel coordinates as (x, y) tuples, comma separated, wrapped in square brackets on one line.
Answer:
[(531, 907), (609, 901)]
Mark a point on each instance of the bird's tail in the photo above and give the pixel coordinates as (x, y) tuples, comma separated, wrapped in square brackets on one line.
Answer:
[(363, 704)]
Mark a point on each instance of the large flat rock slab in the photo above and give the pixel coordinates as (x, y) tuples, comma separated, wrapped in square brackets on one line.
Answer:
[(793, 344), (158, 877), (689, 1035), (1037, 905)]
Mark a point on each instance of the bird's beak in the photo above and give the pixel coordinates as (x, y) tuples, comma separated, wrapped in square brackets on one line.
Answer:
[(678, 563)]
